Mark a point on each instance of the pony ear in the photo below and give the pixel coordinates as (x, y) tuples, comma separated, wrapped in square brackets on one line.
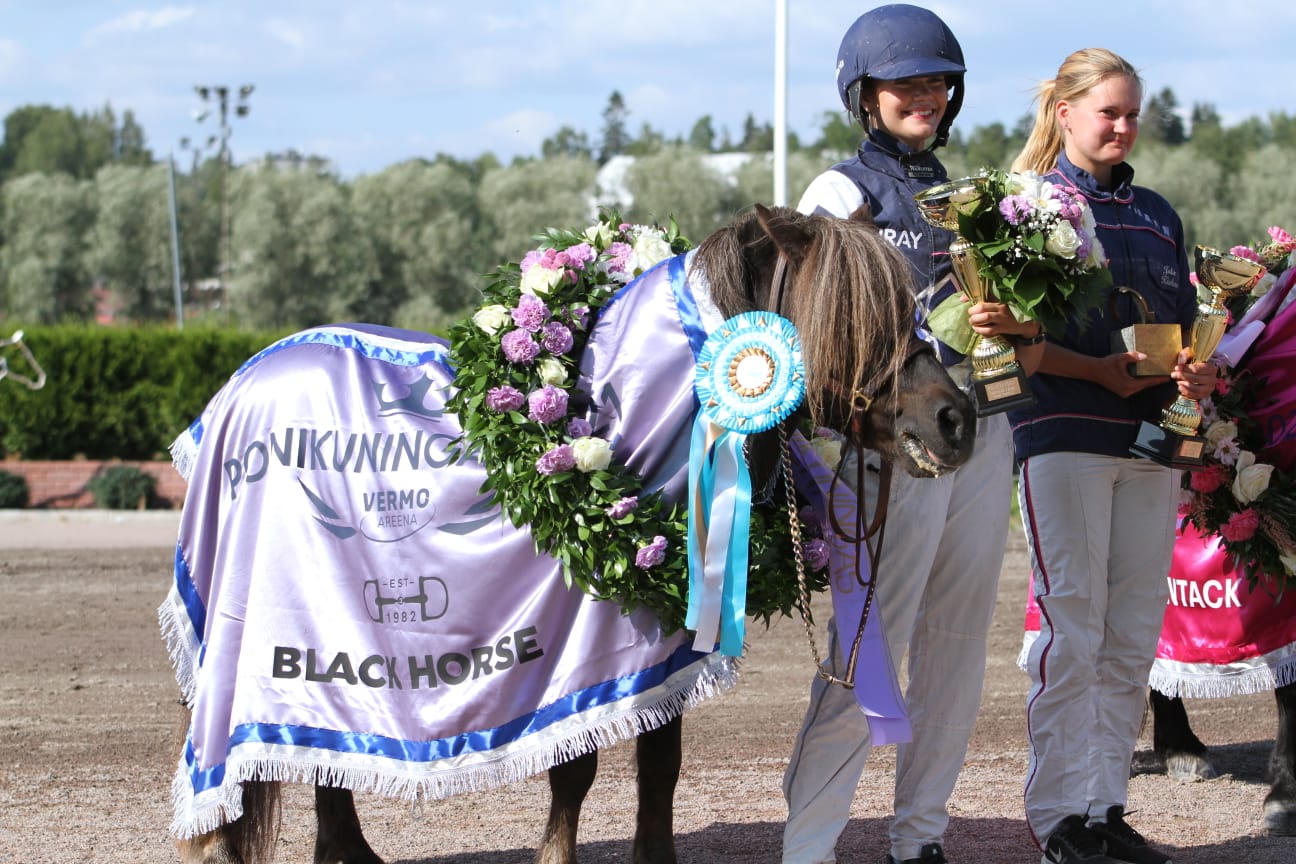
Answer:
[(864, 216), (784, 228)]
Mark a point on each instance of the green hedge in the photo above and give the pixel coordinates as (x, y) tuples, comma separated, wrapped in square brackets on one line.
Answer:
[(116, 392)]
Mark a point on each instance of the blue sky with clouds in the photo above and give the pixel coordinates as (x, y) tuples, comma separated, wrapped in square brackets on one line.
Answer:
[(370, 83)]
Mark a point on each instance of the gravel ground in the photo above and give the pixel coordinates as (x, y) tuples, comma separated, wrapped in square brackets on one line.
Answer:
[(88, 725)]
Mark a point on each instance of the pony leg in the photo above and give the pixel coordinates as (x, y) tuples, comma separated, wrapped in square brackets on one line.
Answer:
[(338, 838), (249, 839), (569, 783), (1280, 803), (1174, 741), (658, 754)]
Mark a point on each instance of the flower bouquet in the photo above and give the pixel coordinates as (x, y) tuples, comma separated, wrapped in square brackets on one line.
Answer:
[(1240, 496), (517, 362), (1249, 503), (1035, 242)]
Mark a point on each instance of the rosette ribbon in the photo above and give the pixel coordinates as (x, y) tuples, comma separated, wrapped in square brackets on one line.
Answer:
[(749, 378)]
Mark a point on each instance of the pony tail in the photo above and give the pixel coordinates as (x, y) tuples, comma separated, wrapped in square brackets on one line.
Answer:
[(1041, 150)]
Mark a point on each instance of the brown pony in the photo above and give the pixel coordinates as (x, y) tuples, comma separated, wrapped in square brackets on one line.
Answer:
[(868, 374)]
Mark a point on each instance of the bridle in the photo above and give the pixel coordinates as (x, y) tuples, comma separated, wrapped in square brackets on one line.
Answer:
[(867, 533)]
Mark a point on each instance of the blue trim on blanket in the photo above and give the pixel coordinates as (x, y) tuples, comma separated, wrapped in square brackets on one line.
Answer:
[(188, 592), (606, 693)]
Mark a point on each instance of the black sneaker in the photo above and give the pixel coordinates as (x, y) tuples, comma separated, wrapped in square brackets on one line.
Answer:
[(929, 854), (1073, 843), (1123, 842)]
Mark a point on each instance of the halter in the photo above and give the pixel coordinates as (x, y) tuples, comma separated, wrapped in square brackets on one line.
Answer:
[(861, 401)]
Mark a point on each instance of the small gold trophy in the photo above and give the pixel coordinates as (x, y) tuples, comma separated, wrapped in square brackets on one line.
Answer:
[(998, 378), (1175, 441)]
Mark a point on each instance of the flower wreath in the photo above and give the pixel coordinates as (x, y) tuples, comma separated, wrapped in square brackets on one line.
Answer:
[(1249, 503), (515, 360)]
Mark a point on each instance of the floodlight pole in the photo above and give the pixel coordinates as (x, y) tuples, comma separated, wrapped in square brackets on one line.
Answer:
[(175, 242), (780, 103)]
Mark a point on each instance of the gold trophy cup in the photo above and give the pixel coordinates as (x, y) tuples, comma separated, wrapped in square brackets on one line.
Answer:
[(1175, 441), (999, 380)]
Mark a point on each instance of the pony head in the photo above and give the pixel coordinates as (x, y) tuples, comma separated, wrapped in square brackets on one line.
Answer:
[(847, 290)]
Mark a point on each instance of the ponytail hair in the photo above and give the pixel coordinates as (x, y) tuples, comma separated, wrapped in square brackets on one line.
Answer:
[(1079, 73)]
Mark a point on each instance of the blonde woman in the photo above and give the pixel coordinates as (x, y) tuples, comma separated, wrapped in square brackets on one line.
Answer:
[(1100, 523)]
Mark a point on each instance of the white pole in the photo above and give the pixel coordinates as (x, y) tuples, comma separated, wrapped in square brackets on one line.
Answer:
[(780, 102), (175, 243)]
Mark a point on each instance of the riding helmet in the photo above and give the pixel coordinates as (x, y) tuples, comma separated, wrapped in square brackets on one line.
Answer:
[(899, 41)]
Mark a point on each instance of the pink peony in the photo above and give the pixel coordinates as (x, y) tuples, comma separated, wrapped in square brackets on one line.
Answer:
[(1208, 479), (1246, 252), (1282, 238), (624, 507), (504, 399), (652, 554), (1240, 526), (816, 554), (556, 338), (531, 313), (548, 404), (519, 347), (556, 461)]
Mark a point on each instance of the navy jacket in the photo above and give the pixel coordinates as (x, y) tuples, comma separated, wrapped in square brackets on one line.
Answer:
[(1143, 239), (885, 175)]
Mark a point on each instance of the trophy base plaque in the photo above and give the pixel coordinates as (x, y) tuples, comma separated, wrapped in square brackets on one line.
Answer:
[(1005, 390), (1185, 452)]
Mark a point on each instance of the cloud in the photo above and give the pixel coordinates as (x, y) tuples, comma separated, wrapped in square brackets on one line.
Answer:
[(287, 33), (140, 21)]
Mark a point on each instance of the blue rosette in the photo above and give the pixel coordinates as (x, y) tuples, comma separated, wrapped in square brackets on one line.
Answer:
[(749, 378), (750, 375)]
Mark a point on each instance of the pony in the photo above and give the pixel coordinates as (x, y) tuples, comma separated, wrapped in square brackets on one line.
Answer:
[(868, 374)]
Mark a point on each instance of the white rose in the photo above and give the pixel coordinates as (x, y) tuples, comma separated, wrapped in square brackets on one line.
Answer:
[(592, 454), (599, 236), (492, 319), (1262, 287), (1220, 431), (551, 371), (540, 280), (649, 248), (1062, 240), (1097, 255), (1252, 478), (829, 450), (1288, 560)]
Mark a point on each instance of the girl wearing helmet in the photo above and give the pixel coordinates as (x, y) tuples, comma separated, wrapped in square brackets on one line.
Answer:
[(900, 74)]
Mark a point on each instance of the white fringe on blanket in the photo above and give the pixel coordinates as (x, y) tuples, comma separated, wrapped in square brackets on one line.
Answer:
[(1208, 680), (575, 736)]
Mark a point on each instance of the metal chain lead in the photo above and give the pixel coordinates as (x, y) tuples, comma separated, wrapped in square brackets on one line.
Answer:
[(798, 555)]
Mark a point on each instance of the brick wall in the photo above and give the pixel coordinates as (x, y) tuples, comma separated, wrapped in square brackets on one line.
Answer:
[(63, 484)]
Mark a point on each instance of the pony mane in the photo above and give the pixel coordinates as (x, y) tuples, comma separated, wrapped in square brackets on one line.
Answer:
[(850, 280)]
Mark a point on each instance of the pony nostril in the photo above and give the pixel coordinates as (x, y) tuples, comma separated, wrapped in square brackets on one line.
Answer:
[(951, 422)]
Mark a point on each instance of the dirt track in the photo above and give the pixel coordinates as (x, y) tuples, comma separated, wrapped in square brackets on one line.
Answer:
[(88, 720)]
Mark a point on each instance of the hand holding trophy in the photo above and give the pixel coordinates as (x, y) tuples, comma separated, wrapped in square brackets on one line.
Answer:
[(1175, 442), (998, 378)]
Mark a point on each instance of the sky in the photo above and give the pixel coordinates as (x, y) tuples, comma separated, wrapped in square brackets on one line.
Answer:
[(370, 83)]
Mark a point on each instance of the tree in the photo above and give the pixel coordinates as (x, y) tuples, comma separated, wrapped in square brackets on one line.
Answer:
[(422, 219), (702, 136), (1160, 120), (129, 248), (989, 146), (838, 135), (299, 256), (45, 222), (649, 141), (566, 142), (521, 200), (680, 182), (615, 137)]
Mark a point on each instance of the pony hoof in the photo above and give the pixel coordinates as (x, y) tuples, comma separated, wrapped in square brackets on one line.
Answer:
[(1280, 818), (1189, 768)]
